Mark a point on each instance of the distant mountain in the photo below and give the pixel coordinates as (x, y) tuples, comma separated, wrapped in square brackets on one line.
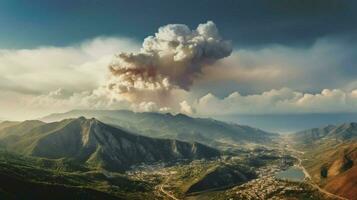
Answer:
[(8, 128), (12, 131), (5, 124), (289, 123), (331, 156), (208, 131), (96, 144), (342, 132)]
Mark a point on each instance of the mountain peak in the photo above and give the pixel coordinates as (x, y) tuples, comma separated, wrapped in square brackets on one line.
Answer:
[(350, 125), (83, 119), (183, 116)]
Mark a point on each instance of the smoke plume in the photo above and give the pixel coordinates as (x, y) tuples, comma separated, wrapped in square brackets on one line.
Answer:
[(170, 60)]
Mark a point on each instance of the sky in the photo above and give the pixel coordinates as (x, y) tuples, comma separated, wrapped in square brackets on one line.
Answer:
[(202, 58)]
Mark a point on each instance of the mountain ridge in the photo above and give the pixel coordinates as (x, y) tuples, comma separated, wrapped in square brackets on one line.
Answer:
[(182, 127), (101, 146), (342, 132)]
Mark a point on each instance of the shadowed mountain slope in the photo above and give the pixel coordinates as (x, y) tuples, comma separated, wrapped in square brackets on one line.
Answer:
[(39, 178), (99, 145)]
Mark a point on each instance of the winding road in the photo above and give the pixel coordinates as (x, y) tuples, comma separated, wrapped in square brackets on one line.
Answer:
[(167, 193), (307, 175)]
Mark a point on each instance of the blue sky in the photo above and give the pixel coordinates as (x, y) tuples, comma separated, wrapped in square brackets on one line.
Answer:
[(27, 24), (209, 58)]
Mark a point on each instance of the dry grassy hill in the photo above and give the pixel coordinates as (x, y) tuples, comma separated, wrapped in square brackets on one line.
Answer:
[(331, 157)]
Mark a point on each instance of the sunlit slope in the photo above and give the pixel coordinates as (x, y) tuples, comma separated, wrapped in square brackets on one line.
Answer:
[(99, 145), (18, 128), (5, 124), (331, 157)]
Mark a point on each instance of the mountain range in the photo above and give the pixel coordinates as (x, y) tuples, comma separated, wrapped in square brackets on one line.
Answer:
[(96, 144), (182, 127), (112, 146), (342, 132)]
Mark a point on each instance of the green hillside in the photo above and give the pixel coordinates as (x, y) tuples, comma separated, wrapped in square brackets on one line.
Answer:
[(5, 124), (34, 178)]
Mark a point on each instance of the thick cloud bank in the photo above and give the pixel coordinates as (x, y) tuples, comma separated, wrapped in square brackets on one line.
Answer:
[(73, 68), (282, 101), (171, 59)]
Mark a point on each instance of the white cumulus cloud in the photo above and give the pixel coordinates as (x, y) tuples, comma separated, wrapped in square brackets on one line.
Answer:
[(282, 101)]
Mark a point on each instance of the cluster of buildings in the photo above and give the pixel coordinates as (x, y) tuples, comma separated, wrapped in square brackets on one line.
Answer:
[(266, 186)]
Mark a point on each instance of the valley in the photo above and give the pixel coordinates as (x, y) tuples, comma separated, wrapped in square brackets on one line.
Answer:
[(178, 100), (86, 158)]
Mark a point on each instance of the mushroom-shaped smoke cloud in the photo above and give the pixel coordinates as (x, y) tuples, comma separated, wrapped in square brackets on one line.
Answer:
[(170, 60)]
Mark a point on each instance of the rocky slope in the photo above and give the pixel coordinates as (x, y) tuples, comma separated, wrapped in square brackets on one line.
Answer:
[(98, 145), (341, 173), (331, 157)]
